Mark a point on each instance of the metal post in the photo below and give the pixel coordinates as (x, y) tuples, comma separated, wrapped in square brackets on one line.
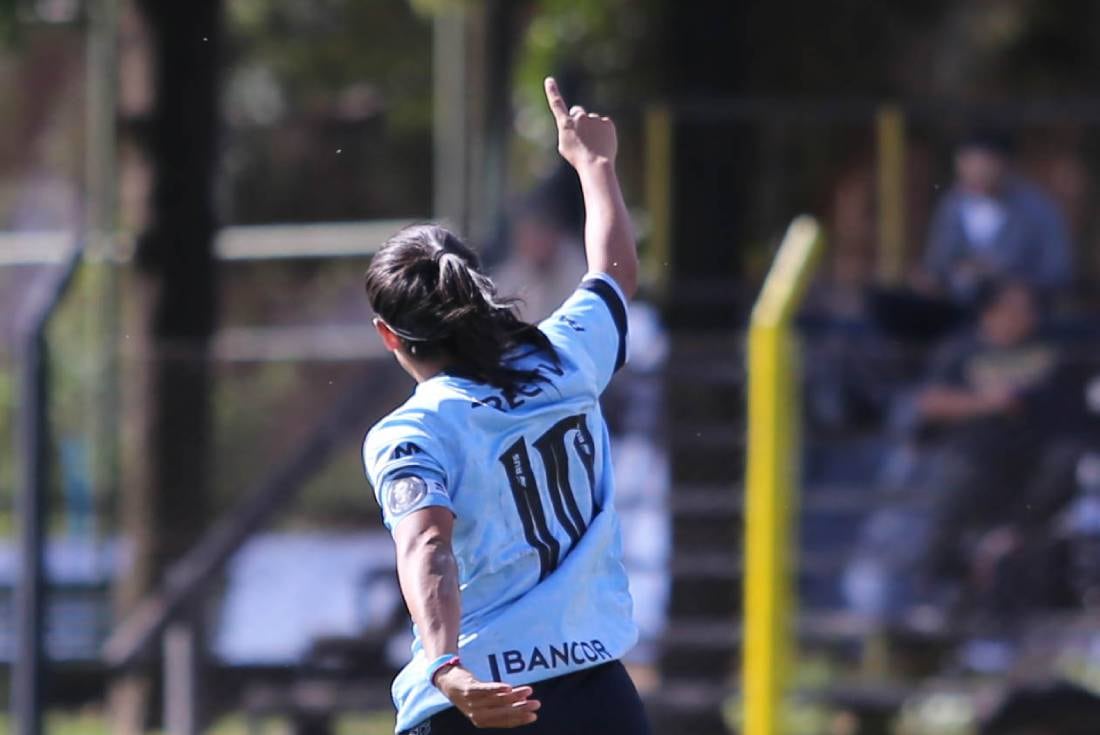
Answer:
[(658, 198), (100, 165), (772, 482), (451, 123), (496, 19), (472, 49), (32, 496), (30, 608), (182, 654), (890, 143), (100, 197), (32, 432)]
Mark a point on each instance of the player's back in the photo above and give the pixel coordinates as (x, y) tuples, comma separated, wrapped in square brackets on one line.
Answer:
[(525, 469), (526, 472)]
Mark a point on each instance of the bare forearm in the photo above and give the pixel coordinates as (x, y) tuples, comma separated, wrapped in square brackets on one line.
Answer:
[(428, 573), (608, 234), (950, 404), (429, 583)]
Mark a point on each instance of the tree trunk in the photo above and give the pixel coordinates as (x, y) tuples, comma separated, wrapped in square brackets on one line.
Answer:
[(171, 318)]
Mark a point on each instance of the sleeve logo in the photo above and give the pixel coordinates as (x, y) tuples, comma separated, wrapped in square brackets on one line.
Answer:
[(573, 323), (404, 494), (405, 449)]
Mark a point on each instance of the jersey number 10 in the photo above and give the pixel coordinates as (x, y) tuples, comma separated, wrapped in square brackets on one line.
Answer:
[(553, 447)]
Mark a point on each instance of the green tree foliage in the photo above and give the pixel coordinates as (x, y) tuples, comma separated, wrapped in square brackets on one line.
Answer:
[(321, 47), (607, 45), (7, 22), (602, 40), (329, 104)]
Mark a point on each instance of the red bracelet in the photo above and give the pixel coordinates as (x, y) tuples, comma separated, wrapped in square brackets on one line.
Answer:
[(441, 663)]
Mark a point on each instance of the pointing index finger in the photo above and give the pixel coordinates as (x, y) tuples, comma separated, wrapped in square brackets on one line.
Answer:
[(557, 104)]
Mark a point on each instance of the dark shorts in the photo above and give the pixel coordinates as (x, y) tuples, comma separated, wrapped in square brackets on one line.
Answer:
[(597, 701)]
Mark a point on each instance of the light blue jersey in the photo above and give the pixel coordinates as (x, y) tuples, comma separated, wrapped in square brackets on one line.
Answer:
[(528, 477)]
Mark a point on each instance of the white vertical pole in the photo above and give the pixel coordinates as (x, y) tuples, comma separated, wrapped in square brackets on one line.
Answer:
[(181, 674)]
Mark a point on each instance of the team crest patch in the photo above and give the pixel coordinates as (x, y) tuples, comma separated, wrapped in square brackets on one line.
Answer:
[(404, 493)]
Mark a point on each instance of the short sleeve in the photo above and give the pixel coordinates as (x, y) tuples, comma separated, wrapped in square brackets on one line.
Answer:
[(404, 465), (591, 328)]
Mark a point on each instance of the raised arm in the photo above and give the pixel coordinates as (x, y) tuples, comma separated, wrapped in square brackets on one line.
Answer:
[(589, 143)]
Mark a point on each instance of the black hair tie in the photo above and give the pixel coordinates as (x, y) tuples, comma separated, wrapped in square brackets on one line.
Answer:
[(410, 337)]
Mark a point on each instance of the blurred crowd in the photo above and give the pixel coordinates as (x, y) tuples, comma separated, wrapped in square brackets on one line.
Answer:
[(988, 490)]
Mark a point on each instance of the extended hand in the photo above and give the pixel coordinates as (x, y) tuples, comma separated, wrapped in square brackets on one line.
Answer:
[(487, 704), (583, 137)]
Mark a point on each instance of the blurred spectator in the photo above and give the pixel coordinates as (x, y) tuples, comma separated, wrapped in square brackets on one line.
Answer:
[(993, 224), (989, 465), (983, 373), (1001, 471), (1052, 708), (547, 260)]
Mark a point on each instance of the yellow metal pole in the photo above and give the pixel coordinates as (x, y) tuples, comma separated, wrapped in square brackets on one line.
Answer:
[(100, 289), (772, 479), (890, 144), (658, 198)]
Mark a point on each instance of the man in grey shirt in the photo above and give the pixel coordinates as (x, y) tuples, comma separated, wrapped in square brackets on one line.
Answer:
[(994, 225)]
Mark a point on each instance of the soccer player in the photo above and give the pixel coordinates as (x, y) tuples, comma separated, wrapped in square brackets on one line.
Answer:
[(495, 477)]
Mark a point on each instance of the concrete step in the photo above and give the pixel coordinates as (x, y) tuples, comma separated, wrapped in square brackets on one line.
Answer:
[(693, 398), (695, 464), (719, 436), (726, 632), (714, 347), (728, 565), (703, 702), (721, 370), (727, 499), (705, 304), (683, 706)]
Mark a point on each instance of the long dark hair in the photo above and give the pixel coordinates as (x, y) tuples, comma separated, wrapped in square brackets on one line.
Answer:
[(428, 287)]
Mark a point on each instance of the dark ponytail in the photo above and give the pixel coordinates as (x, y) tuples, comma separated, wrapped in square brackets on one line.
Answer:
[(428, 287)]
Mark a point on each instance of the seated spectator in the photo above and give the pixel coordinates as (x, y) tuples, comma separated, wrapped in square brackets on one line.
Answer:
[(990, 469), (983, 373), (1002, 470), (993, 224)]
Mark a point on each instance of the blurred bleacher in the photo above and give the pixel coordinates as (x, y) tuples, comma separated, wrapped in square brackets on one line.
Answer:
[(865, 665)]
